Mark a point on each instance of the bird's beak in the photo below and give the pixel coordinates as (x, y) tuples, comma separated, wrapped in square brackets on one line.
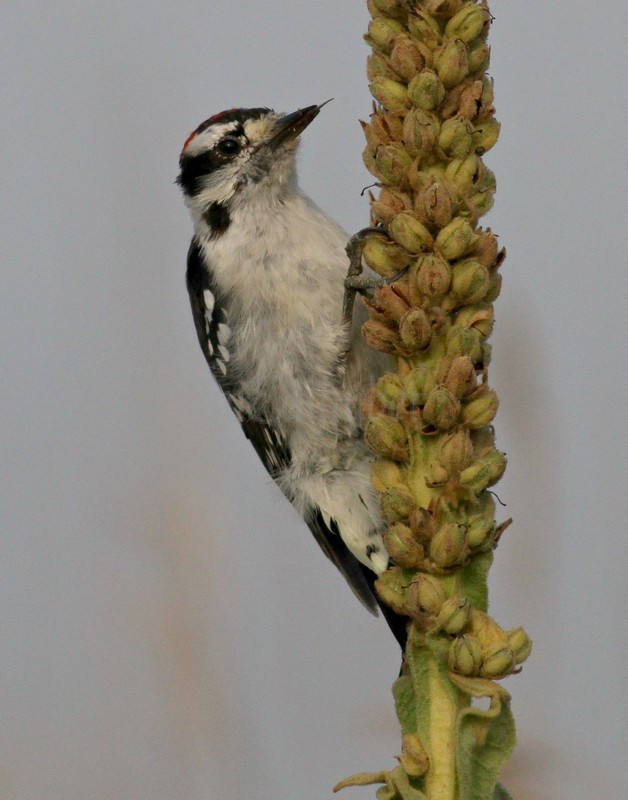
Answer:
[(287, 128)]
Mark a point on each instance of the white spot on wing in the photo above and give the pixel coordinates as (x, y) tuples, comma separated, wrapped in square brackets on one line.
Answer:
[(209, 300), (224, 333), (221, 366), (224, 352)]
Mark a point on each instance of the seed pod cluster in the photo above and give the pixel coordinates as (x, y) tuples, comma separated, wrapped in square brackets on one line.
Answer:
[(430, 424)]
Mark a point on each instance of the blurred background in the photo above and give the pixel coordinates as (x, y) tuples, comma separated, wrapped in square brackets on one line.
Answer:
[(170, 630)]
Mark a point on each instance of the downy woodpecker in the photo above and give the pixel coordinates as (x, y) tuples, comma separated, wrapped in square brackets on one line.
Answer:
[(266, 277)]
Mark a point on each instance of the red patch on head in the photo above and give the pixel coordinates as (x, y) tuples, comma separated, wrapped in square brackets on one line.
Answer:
[(204, 125)]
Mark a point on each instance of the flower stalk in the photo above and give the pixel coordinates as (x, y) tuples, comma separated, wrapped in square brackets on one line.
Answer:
[(430, 423)]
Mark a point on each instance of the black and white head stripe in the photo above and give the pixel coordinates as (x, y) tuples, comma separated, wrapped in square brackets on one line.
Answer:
[(214, 144)]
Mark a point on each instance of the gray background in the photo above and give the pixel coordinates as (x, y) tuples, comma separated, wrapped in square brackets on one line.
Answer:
[(169, 628)]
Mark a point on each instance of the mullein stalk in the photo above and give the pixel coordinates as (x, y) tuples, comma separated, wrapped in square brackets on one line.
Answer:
[(430, 423)]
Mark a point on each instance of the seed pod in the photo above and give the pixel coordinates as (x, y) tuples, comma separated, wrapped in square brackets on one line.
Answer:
[(411, 234), (455, 138), (387, 437), (434, 204), (520, 643), (388, 390), (390, 7), (424, 28), (380, 336), (449, 545), (480, 317), (455, 239), (426, 90), (397, 503), (393, 162), (469, 281), (415, 330), (479, 56), (402, 546), (446, 8), (377, 66), (391, 94), (391, 589), (485, 250), (463, 174), (497, 661), (408, 57), (383, 128), (420, 132), (464, 342), (494, 287), (382, 32), (425, 594), (454, 614), (384, 474), (431, 276), (484, 472), (390, 302), (468, 23), (383, 256), (441, 409), (481, 409), (479, 532), (485, 135), (389, 203), (452, 62), (460, 379), (414, 759), (465, 655)]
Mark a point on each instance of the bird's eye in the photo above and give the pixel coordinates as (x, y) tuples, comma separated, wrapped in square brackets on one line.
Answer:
[(229, 146)]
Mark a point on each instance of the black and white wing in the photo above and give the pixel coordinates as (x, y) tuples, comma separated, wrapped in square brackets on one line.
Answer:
[(213, 335)]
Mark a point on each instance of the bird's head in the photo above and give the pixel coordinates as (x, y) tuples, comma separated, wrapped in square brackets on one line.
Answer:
[(239, 148)]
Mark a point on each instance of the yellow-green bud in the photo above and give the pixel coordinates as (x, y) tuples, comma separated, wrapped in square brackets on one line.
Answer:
[(381, 33), (420, 131), (415, 330), (461, 378), (431, 275), (479, 532), (520, 644), (467, 23), (393, 162), (397, 503), (424, 28), (387, 437), (479, 56), (380, 336), (481, 409), (497, 660), (469, 281), (446, 8), (456, 452), (463, 173), (455, 239), (391, 94), (411, 234), (434, 204), (402, 546), (425, 594), (465, 655), (485, 135), (377, 66), (480, 203), (452, 62), (414, 759), (388, 391), (455, 138), (391, 588), (454, 613), (391, 303), (484, 472), (383, 256), (449, 545), (480, 317), (384, 474), (418, 385), (441, 409), (426, 90), (408, 57), (464, 342)]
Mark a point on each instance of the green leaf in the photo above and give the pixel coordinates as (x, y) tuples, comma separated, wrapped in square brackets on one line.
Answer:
[(473, 580), (403, 692)]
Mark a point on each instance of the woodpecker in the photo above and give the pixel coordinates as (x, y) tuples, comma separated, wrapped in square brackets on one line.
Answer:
[(266, 273)]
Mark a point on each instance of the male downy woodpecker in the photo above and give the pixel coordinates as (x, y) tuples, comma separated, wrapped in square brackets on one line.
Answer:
[(266, 272)]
